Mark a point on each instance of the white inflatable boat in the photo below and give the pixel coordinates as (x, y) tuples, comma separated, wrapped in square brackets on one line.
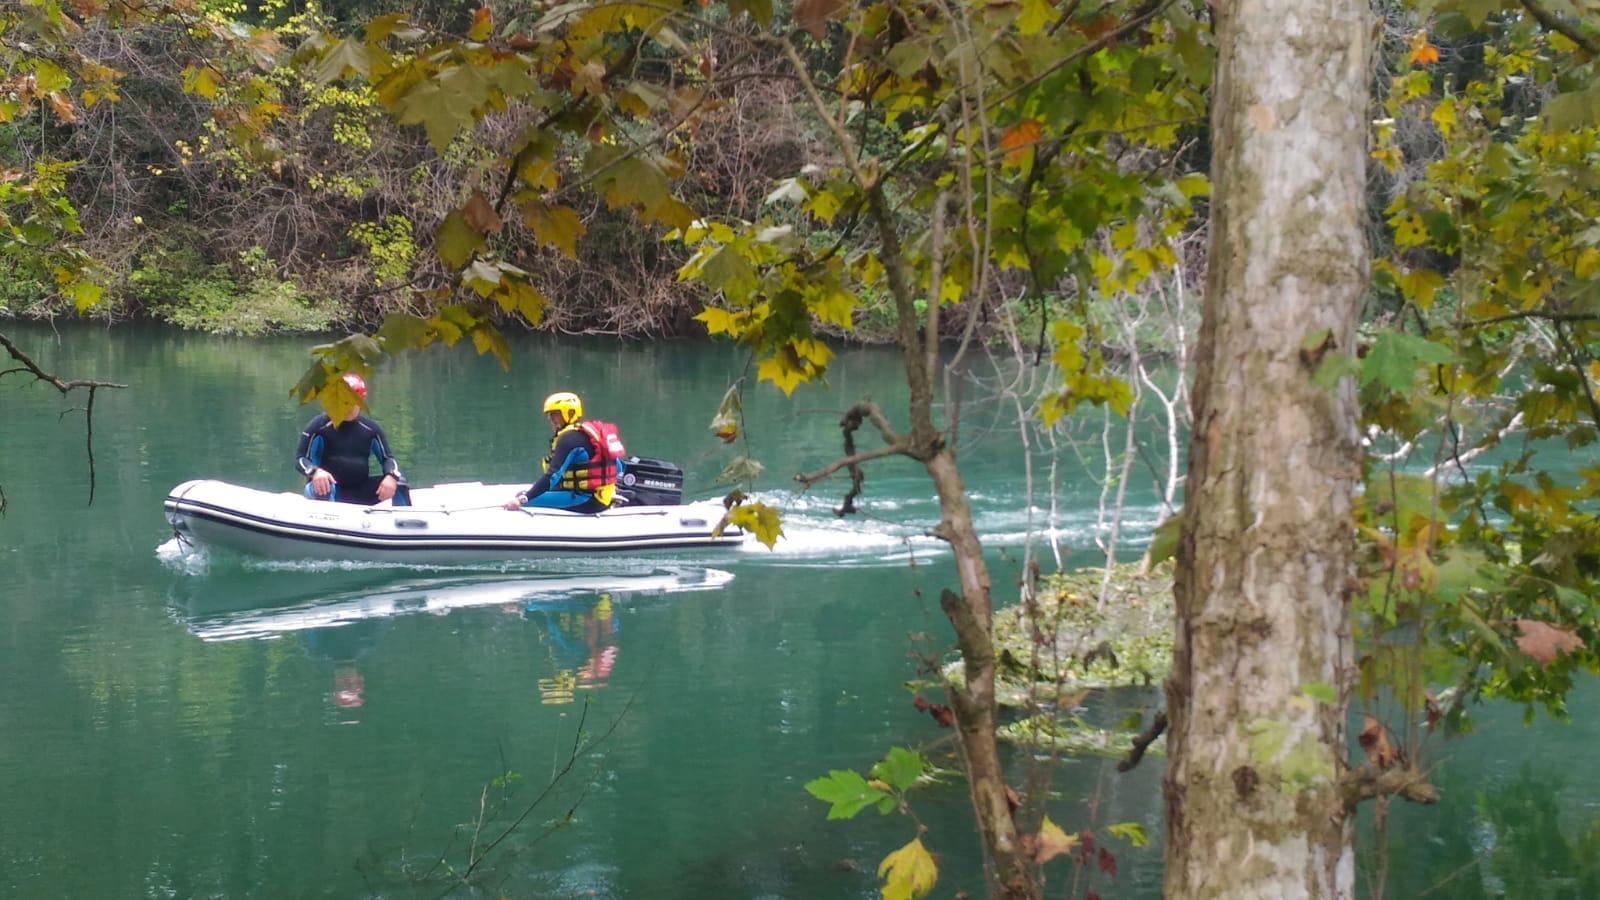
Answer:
[(445, 524)]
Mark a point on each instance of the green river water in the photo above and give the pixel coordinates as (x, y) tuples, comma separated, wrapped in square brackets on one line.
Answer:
[(183, 725)]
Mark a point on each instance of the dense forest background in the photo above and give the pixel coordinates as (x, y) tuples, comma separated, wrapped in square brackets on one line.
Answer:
[(321, 216)]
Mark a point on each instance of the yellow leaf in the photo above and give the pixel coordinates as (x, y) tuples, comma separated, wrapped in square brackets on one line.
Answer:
[(759, 519), (719, 321), (1052, 842), (781, 372), (824, 205), (1444, 116), (909, 872), (1588, 263)]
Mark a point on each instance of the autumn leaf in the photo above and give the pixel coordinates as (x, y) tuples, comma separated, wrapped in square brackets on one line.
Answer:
[(909, 872), (1422, 52), (814, 15), (759, 519), (1052, 842), (482, 24), (1374, 739), (1019, 139), (481, 215), (1545, 642)]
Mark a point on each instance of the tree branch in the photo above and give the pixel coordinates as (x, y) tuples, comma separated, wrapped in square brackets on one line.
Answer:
[(863, 411), (1143, 742), (1553, 22), (65, 386), (1368, 781)]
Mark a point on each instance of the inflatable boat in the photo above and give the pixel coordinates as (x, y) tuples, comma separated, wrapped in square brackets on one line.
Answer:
[(461, 522)]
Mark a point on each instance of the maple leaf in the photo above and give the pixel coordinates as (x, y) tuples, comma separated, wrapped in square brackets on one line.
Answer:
[(814, 15), (1545, 642), (1017, 140), (480, 214), (1422, 52), (1051, 842)]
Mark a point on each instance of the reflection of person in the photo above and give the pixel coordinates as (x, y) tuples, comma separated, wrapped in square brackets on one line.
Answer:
[(580, 471), (333, 456), (585, 647)]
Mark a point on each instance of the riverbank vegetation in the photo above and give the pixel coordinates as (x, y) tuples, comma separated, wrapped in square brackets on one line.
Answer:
[(1015, 195)]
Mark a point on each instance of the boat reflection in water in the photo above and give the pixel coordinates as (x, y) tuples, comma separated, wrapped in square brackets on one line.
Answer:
[(436, 596), (337, 626)]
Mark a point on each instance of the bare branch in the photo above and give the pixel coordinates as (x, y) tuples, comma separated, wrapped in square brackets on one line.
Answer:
[(65, 386), (863, 411)]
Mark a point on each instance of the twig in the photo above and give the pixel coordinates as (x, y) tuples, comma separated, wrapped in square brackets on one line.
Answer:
[(1143, 742), (65, 386)]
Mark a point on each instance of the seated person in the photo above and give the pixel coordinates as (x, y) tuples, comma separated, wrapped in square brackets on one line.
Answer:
[(580, 471), (333, 457)]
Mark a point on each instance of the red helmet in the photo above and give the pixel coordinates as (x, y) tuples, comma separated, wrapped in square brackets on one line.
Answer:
[(356, 384)]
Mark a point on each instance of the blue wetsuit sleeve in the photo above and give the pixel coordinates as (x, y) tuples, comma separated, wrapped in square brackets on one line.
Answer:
[(571, 449), (309, 454), (380, 449)]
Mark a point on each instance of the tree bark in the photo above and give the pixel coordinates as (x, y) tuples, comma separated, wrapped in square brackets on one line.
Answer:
[(1265, 562)]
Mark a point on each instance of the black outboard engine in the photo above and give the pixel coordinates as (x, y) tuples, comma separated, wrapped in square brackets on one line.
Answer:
[(649, 482)]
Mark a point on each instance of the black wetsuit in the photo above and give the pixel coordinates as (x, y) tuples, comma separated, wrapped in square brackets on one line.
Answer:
[(343, 451)]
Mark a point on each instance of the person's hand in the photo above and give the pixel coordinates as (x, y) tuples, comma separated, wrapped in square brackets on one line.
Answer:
[(517, 501), (386, 487), (321, 482)]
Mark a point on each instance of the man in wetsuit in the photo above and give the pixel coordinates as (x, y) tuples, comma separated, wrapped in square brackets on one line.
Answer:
[(333, 457), (579, 474)]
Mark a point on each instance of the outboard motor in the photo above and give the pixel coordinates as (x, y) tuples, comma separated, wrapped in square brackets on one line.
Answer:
[(649, 482)]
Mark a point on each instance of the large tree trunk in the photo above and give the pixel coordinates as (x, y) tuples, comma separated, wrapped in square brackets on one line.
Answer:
[(1265, 561)]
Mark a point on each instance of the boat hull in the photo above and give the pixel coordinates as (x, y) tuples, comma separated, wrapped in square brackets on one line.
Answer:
[(446, 524)]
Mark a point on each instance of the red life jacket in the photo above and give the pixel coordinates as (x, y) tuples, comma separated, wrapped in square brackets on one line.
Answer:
[(598, 475)]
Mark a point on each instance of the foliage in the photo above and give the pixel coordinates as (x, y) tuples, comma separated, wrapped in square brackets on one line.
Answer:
[(1487, 364)]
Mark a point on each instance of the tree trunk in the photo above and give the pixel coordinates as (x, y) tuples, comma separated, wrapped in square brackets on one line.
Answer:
[(1265, 559)]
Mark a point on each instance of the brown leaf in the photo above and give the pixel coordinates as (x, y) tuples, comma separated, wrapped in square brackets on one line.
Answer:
[(1544, 642), (1430, 705), (62, 106), (1374, 739), (814, 15), (480, 215)]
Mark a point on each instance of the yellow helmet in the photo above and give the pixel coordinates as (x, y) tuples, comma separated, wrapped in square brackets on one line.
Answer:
[(566, 403)]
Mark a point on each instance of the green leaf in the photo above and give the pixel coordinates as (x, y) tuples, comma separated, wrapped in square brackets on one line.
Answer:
[(900, 769), (402, 331), (1321, 692), (1164, 541), (848, 793), (1393, 359), (1132, 832), (455, 241), (345, 58)]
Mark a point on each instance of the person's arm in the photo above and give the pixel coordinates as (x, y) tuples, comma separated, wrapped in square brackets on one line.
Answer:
[(309, 454), (386, 460), (308, 457), (569, 444)]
